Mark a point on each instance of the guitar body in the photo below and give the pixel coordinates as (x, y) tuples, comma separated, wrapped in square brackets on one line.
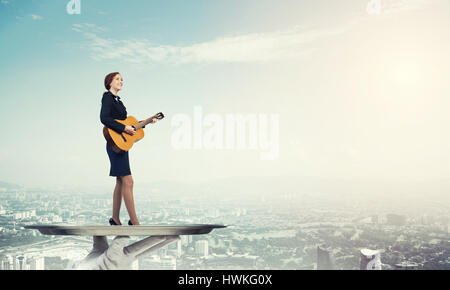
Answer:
[(124, 141)]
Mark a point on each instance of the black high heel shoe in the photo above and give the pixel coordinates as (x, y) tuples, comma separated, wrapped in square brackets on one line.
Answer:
[(129, 223), (112, 222)]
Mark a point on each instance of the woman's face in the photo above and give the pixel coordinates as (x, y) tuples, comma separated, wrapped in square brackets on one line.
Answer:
[(117, 82)]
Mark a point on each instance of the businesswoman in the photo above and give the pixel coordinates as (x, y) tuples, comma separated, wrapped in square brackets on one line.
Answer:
[(113, 108)]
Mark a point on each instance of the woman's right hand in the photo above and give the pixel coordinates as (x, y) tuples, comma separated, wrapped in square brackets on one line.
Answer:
[(130, 130)]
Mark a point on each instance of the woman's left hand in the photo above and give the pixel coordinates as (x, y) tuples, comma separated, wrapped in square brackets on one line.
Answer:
[(154, 120)]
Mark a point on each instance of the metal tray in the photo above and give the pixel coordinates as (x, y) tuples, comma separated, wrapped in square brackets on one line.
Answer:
[(142, 230)]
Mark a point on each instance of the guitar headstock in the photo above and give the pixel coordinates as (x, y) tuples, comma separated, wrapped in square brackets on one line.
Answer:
[(159, 116)]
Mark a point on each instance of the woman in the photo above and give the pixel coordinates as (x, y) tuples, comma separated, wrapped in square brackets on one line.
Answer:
[(113, 108)]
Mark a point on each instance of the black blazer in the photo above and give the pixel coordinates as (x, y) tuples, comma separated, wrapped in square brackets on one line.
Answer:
[(112, 109)]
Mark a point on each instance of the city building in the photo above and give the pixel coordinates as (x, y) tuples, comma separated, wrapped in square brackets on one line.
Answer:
[(36, 263), (324, 258), (20, 263), (150, 262), (168, 263), (370, 259), (395, 219), (179, 251), (201, 248), (6, 262)]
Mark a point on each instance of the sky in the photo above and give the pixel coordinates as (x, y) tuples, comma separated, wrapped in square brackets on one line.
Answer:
[(359, 92)]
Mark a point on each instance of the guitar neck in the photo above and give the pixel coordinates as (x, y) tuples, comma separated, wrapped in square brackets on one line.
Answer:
[(144, 123)]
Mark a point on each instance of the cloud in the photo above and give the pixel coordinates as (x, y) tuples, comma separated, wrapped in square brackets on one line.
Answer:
[(81, 27), (293, 43), (36, 17), (252, 47), (395, 6)]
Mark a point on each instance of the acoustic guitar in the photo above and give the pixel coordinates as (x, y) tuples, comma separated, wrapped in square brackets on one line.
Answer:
[(121, 142)]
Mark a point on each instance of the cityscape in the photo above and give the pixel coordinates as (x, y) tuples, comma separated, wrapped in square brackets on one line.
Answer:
[(303, 231)]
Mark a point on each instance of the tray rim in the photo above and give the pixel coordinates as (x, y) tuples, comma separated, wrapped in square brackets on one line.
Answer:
[(142, 230)]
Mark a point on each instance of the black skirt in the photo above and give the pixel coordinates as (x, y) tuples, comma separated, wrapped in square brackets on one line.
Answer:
[(120, 163)]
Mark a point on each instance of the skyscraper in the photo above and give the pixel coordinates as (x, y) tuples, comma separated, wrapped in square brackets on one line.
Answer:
[(6, 262), (324, 258), (370, 260), (19, 263)]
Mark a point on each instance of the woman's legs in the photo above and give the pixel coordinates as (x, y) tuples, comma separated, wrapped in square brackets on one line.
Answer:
[(127, 193), (117, 200)]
